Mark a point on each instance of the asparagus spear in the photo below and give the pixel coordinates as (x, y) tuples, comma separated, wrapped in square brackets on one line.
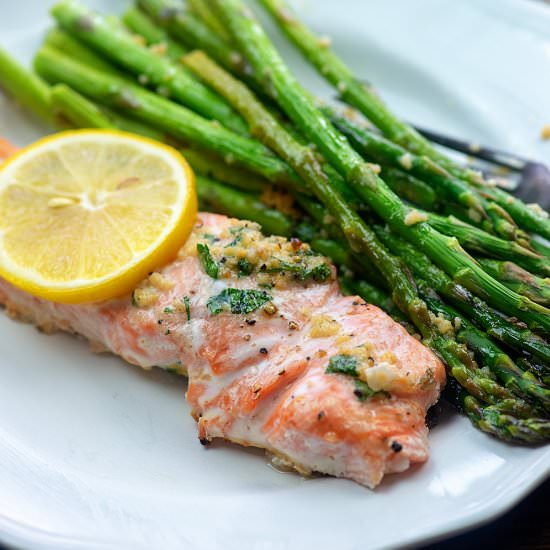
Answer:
[(78, 111), (518, 279), (204, 12), (540, 371), (148, 67), (491, 420), (63, 42), (410, 188), (142, 25), (497, 326), (29, 90), (194, 32), (299, 107)]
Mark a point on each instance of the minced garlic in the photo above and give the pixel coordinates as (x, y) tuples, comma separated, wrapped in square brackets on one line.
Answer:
[(406, 161), (414, 217), (537, 209), (323, 326), (159, 49), (443, 325), (381, 377), (374, 167), (325, 41), (145, 297), (161, 282)]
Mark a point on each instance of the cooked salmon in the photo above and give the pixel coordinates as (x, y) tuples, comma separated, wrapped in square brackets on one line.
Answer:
[(276, 356)]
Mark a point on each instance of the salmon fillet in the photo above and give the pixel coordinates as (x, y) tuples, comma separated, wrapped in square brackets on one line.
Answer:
[(256, 343)]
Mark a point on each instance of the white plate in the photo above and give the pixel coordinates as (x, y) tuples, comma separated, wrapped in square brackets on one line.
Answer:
[(97, 454)]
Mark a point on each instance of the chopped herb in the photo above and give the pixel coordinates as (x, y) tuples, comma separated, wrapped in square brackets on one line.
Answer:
[(319, 273), (208, 263), (187, 307), (209, 237), (167, 332), (364, 391), (168, 310), (347, 365), (235, 241), (237, 301), (245, 267), (343, 364)]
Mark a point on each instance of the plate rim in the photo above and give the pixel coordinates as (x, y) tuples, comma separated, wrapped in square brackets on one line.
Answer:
[(16, 533)]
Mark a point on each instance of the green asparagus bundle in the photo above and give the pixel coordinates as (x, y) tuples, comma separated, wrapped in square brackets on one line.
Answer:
[(392, 213)]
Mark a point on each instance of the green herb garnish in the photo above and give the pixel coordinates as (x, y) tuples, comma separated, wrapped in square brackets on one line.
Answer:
[(245, 267), (347, 365), (168, 310), (237, 301), (363, 391), (208, 263), (343, 364), (319, 273), (187, 305)]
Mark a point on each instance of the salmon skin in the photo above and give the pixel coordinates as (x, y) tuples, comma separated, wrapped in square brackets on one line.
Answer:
[(276, 356)]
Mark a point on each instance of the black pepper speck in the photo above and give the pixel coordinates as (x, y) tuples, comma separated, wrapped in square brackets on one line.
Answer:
[(396, 446)]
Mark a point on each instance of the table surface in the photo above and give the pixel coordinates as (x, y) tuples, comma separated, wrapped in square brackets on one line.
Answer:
[(527, 526)]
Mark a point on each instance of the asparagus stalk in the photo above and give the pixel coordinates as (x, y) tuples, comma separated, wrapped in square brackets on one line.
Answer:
[(63, 42), (78, 111), (518, 279), (204, 12), (298, 105), (516, 336), (410, 188), (530, 217), (148, 67), (28, 89), (142, 25), (538, 370), (509, 428), (373, 146), (194, 32), (541, 248)]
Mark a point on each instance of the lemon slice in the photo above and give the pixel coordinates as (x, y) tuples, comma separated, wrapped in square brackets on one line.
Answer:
[(85, 215)]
